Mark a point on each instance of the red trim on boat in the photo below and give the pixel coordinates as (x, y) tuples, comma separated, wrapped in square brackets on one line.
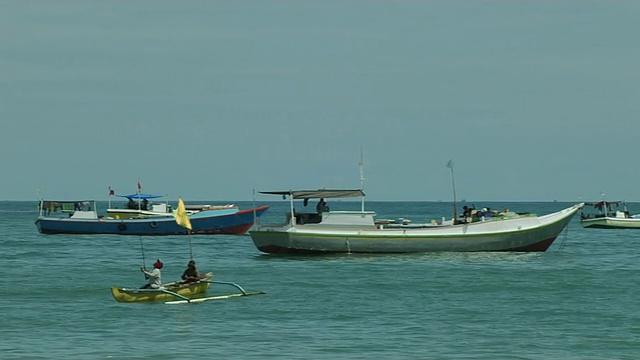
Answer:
[(539, 246)]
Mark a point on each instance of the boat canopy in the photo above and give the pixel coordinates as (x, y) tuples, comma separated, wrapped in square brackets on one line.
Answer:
[(140, 196), (317, 194), (600, 204), (65, 204)]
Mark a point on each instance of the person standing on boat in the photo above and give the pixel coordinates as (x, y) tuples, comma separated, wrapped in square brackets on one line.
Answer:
[(154, 280), (191, 273), (322, 206)]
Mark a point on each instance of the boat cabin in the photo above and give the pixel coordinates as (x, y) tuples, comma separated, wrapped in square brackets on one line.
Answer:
[(84, 209)]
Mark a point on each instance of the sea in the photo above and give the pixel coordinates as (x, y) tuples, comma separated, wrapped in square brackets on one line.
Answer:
[(578, 300)]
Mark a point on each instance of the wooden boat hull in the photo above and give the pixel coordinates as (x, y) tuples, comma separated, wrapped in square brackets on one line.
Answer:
[(145, 295), (517, 234), (611, 223), (231, 222)]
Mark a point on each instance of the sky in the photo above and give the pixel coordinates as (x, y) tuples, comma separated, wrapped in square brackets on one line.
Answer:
[(211, 100)]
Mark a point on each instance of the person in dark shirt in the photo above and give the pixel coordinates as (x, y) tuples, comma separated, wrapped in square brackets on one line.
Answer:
[(190, 274), (322, 206)]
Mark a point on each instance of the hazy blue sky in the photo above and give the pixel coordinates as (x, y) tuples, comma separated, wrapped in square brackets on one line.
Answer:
[(208, 100)]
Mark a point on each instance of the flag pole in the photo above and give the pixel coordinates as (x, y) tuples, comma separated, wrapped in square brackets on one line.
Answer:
[(453, 185), (190, 247)]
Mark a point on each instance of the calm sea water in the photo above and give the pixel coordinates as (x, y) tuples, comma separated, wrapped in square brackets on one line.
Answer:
[(579, 300)]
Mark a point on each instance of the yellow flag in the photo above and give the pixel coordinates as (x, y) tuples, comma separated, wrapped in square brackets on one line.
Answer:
[(181, 215)]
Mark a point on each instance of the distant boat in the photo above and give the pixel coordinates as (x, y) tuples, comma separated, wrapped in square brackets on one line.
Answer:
[(81, 217), (609, 215), (357, 231)]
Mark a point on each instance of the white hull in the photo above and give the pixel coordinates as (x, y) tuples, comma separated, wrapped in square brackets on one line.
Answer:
[(611, 223), (355, 232)]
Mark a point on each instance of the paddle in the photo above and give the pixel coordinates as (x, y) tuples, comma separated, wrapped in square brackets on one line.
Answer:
[(142, 252)]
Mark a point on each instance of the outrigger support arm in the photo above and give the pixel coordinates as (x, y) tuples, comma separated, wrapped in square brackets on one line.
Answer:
[(227, 283), (176, 295)]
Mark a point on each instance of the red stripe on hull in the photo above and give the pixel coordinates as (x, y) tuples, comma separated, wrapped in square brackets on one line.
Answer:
[(236, 230), (537, 247)]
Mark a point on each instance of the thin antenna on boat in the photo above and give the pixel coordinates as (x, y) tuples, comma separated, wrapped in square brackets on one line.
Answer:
[(361, 164), (255, 216), (453, 185), (40, 201), (38, 191)]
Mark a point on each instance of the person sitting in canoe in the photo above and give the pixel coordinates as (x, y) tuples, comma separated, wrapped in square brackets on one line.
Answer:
[(154, 280), (190, 274)]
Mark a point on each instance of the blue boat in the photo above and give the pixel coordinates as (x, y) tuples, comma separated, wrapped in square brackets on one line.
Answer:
[(81, 217)]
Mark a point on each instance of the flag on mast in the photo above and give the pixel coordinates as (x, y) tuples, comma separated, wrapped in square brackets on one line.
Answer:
[(111, 191), (181, 215), (139, 186)]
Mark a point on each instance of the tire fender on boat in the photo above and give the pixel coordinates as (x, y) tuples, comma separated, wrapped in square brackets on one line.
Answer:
[(122, 227), (153, 224)]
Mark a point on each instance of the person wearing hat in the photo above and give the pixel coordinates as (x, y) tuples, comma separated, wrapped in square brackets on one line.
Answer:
[(190, 274), (154, 280)]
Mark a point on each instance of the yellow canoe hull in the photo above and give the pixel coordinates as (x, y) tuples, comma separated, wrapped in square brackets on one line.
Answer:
[(149, 295)]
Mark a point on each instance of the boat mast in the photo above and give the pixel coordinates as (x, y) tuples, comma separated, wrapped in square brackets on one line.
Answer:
[(255, 216), (139, 191), (361, 165)]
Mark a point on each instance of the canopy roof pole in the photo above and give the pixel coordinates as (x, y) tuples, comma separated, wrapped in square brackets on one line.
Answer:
[(293, 216), (453, 185), (361, 164)]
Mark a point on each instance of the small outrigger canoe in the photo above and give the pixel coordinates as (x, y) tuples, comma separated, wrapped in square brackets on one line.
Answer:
[(178, 292), (169, 291)]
